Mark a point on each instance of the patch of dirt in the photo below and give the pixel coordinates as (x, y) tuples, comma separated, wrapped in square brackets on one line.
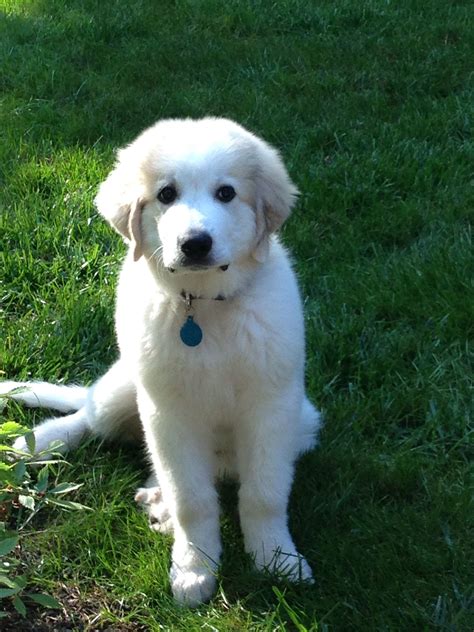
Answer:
[(79, 613)]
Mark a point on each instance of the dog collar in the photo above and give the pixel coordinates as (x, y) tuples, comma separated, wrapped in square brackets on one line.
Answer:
[(190, 332), (188, 297)]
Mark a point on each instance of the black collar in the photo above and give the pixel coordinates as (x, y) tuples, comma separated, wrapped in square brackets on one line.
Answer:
[(188, 297)]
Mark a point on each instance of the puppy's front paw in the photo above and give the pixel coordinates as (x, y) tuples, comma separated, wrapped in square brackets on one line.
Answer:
[(284, 561), (294, 568), (192, 587)]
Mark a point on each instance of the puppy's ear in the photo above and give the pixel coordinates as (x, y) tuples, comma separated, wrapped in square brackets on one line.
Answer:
[(120, 202), (276, 196), (135, 228)]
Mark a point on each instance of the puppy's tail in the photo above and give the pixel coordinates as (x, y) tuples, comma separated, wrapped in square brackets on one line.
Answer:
[(69, 430), (107, 409), (45, 395)]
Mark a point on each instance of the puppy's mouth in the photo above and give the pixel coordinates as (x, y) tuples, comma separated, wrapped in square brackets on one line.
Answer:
[(195, 267)]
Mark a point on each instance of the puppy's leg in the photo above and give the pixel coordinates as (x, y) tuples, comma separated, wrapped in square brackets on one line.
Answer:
[(267, 444), (181, 449), (45, 395)]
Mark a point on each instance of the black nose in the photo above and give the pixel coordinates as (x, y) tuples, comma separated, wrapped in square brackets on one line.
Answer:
[(197, 247)]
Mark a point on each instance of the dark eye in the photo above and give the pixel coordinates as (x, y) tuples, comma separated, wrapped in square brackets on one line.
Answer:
[(167, 194), (225, 193)]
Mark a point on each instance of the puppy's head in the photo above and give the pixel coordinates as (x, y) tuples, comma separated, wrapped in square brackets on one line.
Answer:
[(197, 195)]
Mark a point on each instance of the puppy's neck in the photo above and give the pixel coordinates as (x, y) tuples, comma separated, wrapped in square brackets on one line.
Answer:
[(210, 284)]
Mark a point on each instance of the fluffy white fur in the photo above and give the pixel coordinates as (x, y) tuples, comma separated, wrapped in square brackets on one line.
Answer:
[(236, 402)]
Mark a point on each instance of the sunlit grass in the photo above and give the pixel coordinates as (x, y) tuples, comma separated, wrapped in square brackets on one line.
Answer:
[(371, 105)]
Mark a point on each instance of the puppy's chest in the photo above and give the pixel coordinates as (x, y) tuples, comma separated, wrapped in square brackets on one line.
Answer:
[(230, 350)]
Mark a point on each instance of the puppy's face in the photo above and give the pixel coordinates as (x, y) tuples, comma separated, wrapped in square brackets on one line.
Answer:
[(197, 195), (202, 213)]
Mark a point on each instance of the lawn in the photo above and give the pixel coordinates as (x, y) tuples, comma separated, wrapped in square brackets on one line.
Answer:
[(371, 104)]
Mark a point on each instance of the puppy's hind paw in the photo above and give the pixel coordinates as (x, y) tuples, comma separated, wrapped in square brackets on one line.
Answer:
[(148, 495), (150, 500)]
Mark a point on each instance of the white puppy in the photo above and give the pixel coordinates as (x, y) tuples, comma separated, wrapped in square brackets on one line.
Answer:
[(210, 328)]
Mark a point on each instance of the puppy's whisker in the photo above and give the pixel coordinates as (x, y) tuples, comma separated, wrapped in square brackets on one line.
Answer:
[(158, 251)]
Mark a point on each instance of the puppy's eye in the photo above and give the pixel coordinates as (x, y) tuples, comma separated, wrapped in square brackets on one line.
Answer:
[(225, 193), (167, 194)]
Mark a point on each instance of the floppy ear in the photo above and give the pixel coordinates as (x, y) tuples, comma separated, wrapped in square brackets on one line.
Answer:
[(121, 202), (276, 196)]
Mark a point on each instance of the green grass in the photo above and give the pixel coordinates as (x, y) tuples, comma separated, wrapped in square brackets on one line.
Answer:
[(371, 103)]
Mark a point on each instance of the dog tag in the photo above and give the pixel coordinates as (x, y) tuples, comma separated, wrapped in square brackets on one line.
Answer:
[(191, 333)]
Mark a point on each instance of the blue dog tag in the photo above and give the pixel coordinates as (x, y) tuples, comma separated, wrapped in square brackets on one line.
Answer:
[(191, 333)]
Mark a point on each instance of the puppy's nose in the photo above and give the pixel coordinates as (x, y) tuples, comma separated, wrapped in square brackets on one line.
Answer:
[(197, 246)]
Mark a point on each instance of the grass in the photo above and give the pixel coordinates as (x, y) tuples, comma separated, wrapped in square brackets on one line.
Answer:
[(371, 104)]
